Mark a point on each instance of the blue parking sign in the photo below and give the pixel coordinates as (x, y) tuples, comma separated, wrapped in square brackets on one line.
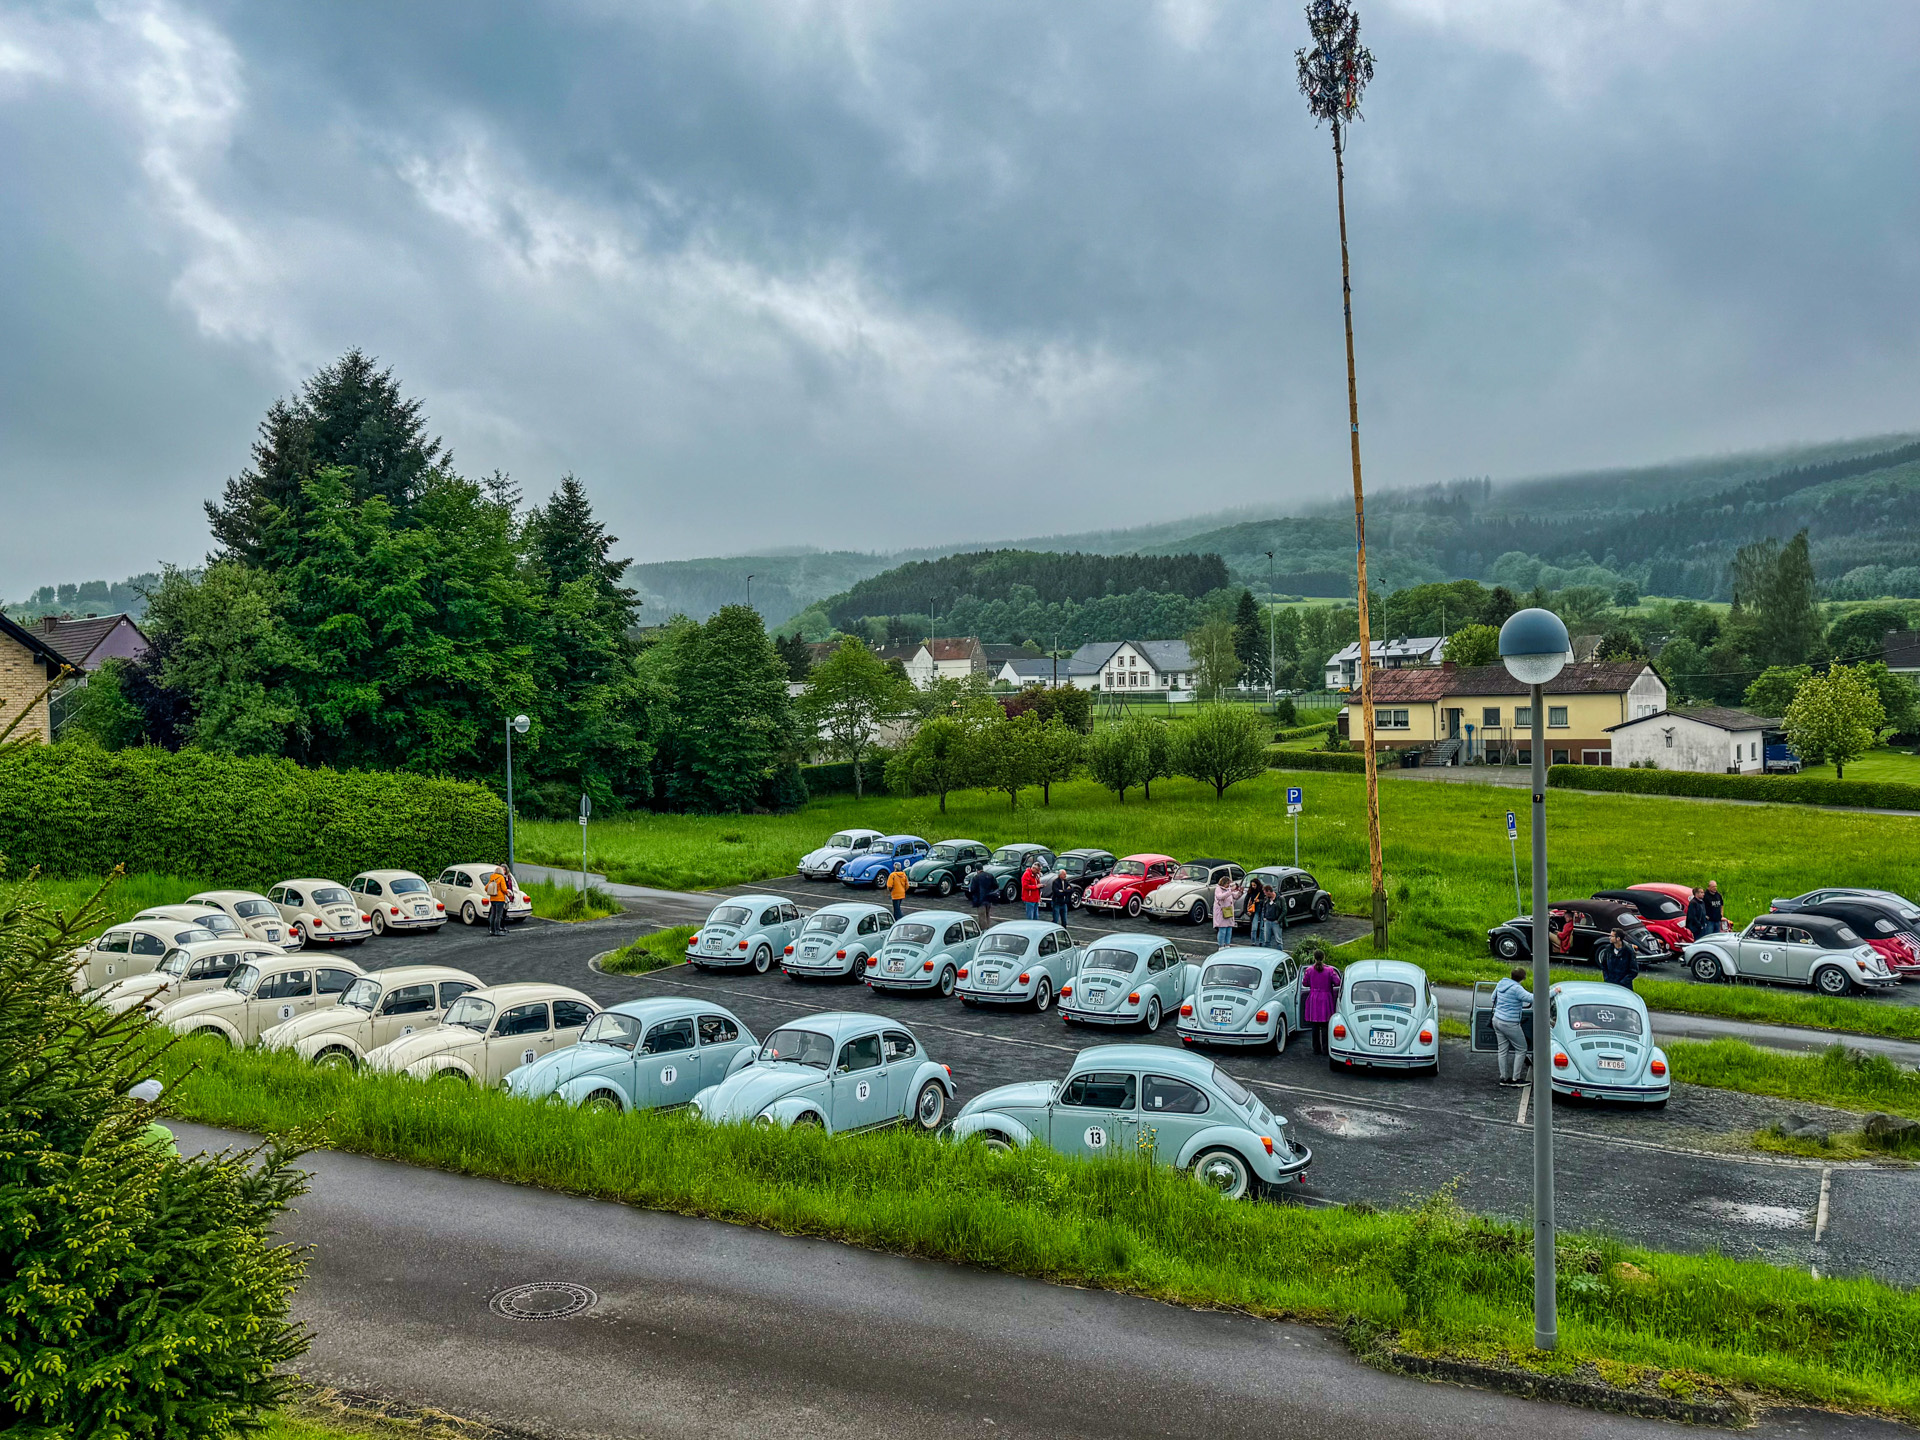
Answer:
[(1293, 796), (1513, 826)]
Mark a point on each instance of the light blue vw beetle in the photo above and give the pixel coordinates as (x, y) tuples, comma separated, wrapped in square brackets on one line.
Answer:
[(1603, 1045), (1180, 1108), (840, 1072), (1246, 995), (1126, 980), (924, 951), (1387, 1018), (1019, 962), (642, 1055), (836, 940), (745, 932)]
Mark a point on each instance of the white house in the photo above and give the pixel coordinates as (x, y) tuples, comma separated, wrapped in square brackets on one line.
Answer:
[(947, 658), (1147, 665), (1343, 667), (1706, 738), (1024, 670)]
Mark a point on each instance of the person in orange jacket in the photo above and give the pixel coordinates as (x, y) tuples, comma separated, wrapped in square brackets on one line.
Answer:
[(499, 888), (897, 888)]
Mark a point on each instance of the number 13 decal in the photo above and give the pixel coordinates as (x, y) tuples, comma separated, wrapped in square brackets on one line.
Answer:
[(1096, 1138)]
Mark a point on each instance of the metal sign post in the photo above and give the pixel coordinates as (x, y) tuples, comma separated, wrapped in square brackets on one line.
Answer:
[(586, 809), (1293, 809), (1513, 845)]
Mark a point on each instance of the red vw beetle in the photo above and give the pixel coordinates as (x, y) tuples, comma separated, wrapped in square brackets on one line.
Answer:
[(1132, 880)]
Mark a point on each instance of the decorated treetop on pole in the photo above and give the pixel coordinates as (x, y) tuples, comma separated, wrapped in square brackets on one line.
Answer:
[(1337, 68)]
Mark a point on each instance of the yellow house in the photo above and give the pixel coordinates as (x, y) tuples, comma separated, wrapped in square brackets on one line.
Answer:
[(27, 662), (1482, 713)]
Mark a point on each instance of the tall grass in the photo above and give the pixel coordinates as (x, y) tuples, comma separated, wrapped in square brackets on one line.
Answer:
[(557, 900), (1845, 1079), (651, 952), (1446, 1281)]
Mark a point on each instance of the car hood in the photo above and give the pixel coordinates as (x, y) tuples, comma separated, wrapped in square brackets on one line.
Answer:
[(926, 866), (422, 1045), (317, 1022), (1181, 892), (867, 860), (825, 852), (132, 989), (744, 1095), (205, 1003), (1114, 884), (550, 1072), (1025, 1095)]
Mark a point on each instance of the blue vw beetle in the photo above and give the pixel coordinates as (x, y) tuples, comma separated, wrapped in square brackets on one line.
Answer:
[(836, 940), (1019, 962), (642, 1055), (924, 951), (1603, 1045), (838, 1072), (1178, 1107), (1387, 1017), (746, 932), (882, 858), (1246, 995), (1126, 980)]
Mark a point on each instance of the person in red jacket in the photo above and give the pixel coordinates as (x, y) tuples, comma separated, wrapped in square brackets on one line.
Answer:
[(1030, 891)]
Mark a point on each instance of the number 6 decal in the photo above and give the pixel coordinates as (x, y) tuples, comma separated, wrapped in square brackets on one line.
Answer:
[(1096, 1138)]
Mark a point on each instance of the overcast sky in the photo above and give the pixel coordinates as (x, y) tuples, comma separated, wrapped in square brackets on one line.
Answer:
[(865, 275)]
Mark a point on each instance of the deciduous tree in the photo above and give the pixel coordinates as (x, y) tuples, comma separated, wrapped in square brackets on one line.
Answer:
[(1835, 717), (1221, 745), (1771, 694), (1115, 758), (1215, 661), (941, 757), (848, 694), (1010, 755), (1472, 645)]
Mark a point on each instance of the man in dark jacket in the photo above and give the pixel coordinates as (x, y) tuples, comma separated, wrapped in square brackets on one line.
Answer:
[(1716, 907), (1059, 896), (1697, 920), (1618, 963), (981, 890)]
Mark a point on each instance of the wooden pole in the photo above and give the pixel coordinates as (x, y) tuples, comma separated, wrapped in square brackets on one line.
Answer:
[(1374, 860)]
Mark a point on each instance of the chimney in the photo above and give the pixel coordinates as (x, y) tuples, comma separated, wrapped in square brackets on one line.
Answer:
[(49, 623)]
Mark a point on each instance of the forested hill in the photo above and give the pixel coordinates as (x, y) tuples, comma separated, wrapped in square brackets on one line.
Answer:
[(925, 586)]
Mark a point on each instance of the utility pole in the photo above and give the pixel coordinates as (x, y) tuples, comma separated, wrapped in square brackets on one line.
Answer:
[(1273, 684)]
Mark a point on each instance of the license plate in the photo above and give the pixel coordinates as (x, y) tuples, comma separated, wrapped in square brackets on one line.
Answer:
[(419, 909), (896, 967), (1610, 1063), (1221, 1015), (1382, 1037), (273, 937), (1096, 997), (990, 977)]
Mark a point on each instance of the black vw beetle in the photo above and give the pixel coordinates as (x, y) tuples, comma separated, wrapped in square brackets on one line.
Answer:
[(1082, 868), (1578, 929)]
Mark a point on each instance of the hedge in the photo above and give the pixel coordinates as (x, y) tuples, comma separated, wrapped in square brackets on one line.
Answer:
[(1347, 760), (835, 777), (1301, 732), (75, 810), (1775, 789)]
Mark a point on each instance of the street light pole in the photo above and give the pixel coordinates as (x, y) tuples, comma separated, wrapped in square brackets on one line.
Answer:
[(1273, 684), (1534, 647), (520, 723)]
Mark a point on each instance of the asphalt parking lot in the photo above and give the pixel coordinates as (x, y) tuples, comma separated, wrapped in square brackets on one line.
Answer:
[(1677, 1179)]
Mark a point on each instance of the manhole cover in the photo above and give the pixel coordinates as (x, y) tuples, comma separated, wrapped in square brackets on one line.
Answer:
[(543, 1300)]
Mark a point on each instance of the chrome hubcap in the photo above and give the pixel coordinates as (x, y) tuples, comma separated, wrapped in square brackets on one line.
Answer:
[(1219, 1173)]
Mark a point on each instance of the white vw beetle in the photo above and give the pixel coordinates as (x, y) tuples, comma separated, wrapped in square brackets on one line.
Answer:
[(321, 912), (489, 1033), (134, 948), (387, 1005), (463, 890), (825, 863), (255, 914), (397, 900), (186, 970), (258, 996), (207, 917)]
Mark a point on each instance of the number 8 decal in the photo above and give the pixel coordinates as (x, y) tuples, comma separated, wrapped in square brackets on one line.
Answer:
[(1096, 1138)]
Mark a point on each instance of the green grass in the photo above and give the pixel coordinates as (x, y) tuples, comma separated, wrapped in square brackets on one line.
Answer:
[(1445, 1281), (650, 952), (128, 896), (1876, 765), (554, 900), (1842, 1078), (1447, 868)]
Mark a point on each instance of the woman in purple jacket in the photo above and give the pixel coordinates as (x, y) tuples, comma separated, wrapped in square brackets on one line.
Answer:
[(1323, 984)]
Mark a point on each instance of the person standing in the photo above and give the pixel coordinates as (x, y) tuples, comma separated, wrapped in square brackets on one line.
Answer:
[(897, 887), (1510, 1000), (1618, 962), (1255, 908), (1226, 905), (982, 890), (1323, 989), (1030, 891), (1060, 893), (1697, 920), (1716, 907), (499, 887), (1276, 909)]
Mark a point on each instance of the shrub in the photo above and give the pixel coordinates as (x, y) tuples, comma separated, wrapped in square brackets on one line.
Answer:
[(1302, 732), (1776, 789), (76, 810), (1285, 711)]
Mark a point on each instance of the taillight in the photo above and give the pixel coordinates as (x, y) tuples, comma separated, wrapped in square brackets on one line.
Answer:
[(391, 909), (694, 939), (1659, 1067), (789, 950), (963, 973), (368, 919), (1024, 977), (743, 944), (839, 954), (1340, 1032), (438, 906), (318, 923), (1134, 998), (1065, 991), (872, 960), (1559, 1059), (1426, 1037), (1186, 1010), (1267, 1140), (926, 965), (1259, 1016)]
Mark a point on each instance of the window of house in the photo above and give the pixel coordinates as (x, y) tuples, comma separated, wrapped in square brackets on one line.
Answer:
[(1389, 719), (1556, 717), (1490, 718), (1522, 716), (1558, 757), (1669, 735)]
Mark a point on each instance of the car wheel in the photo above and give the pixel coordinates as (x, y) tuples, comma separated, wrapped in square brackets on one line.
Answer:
[(210, 1032), (997, 1143), (450, 1076), (1322, 908), (931, 1108), (808, 1120), (1706, 969), (1133, 907), (469, 914), (1197, 913), (1005, 897), (602, 1100), (379, 923), (880, 879), (1507, 947), (1223, 1172), (1280, 1036), (1832, 980), (1151, 1021), (945, 887), (1043, 996), (334, 1058), (834, 874), (946, 984), (1074, 898)]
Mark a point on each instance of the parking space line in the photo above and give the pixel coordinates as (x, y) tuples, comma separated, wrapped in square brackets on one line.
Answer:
[(1820, 1215), (1526, 1095)]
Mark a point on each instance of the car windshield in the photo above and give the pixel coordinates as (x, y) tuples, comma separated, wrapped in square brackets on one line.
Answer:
[(730, 915), (1232, 1088), (218, 921), (1607, 1019), (1109, 957), (331, 895), (910, 935), (1201, 873), (175, 963), (826, 924), (1230, 977), (801, 1047), (1009, 856), (244, 979), (620, 1031), (943, 852), (1001, 943), (254, 910), (839, 842), (1130, 867), (362, 994), (1383, 992), (472, 1013), (406, 885)]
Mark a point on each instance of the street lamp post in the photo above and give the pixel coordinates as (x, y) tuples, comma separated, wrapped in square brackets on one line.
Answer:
[(1273, 682), (1534, 647), (521, 724)]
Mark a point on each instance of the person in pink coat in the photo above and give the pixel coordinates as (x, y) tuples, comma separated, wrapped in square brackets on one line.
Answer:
[(1322, 983)]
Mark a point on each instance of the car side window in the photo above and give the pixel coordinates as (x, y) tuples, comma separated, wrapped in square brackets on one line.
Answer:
[(868, 924), (1159, 1095), (899, 1046), (571, 1015), (955, 934), (970, 930), (1799, 937), (293, 898), (862, 1053), (789, 913), (336, 982), (463, 880), (1169, 957), (772, 916), (373, 888), (669, 1036), (408, 1000), (718, 1030), (1049, 944), (145, 944), (446, 878), (1099, 1090), (523, 1020), (285, 986), (276, 895), (452, 990), (356, 884), (202, 969), (1156, 962), (114, 942)]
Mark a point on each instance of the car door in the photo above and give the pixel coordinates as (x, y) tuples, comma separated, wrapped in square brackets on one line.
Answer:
[(969, 940), (669, 1063), (290, 902), (858, 1095), (1095, 1114), (789, 922), (277, 998), (1172, 1112), (1286, 991), (719, 1043), (401, 1011), (1800, 954), (1762, 953), (521, 1035), (107, 961), (900, 1058), (868, 933), (1168, 973)]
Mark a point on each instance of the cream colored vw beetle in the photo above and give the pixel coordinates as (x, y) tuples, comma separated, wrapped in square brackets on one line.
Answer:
[(322, 912), (260, 995), (489, 1033), (186, 970), (397, 900), (387, 1005), (463, 890), (134, 948), (253, 913), (207, 917)]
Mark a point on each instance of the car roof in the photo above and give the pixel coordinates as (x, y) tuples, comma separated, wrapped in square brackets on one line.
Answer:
[(853, 830), (1151, 858), (1618, 910), (1087, 852), (851, 907), (174, 912), (897, 838), (230, 942), (961, 840), (1573, 991), (301, 961), (838, 1024), (214, 897), (669, 1007), (1025, 845), (469, 865), (516, 991), (1278, 870), (1205, 860), (937, 917), (414, 974), (1385, 969), (754, 900), (1027, 927), (311, 881), (1248, 955), (1859, 904), (1138, 942), (1145, 1057), (384, 874), (1806, 919)]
